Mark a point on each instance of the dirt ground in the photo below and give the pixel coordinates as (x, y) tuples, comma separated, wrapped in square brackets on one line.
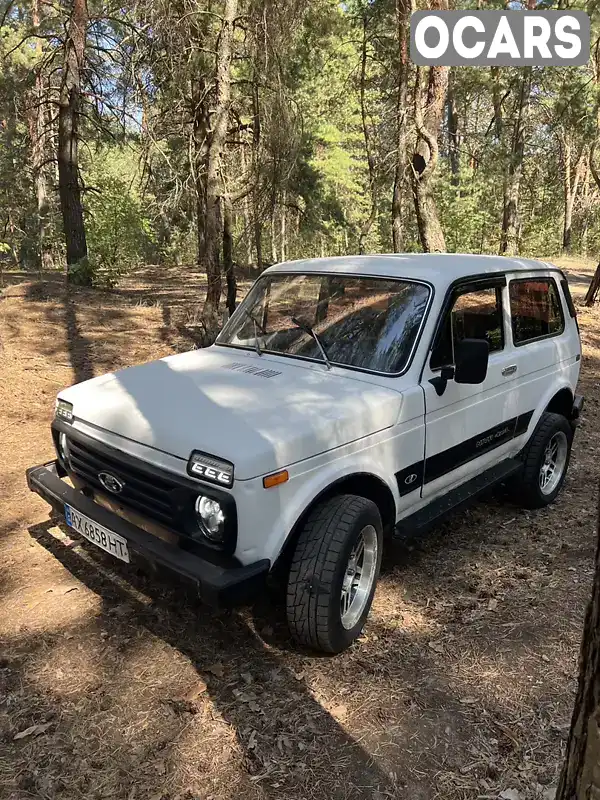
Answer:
[(461, 686)]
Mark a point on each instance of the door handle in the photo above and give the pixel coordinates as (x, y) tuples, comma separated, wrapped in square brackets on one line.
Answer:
[(509, 370)]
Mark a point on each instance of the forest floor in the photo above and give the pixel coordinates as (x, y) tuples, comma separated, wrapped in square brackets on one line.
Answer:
[(461, 686)]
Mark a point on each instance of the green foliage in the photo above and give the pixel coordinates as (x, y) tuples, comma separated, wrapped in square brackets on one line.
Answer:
[(294, 164), (119, 232)]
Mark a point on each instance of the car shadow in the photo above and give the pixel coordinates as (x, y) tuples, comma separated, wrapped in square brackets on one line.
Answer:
[(232, 636)]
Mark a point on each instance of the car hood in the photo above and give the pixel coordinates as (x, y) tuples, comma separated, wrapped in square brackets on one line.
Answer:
[(262, 414)]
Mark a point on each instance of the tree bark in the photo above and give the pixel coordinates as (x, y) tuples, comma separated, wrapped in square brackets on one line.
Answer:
[(509, 239), (403, 8), (255, 162), (68, 118), (228, 256), (593, 288), (453, 138), (214, 188), (425, 157), (283, 242), (368, 223), (571, 186), (580, 778), (37, 134), (273, 236)]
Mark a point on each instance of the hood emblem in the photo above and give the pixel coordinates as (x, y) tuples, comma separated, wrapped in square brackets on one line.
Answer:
[(111, 482)]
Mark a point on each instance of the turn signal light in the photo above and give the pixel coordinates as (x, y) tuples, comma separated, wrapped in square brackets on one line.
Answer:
[(276, 478)]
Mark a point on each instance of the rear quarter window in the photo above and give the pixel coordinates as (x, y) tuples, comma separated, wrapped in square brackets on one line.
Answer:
[(535, 309)]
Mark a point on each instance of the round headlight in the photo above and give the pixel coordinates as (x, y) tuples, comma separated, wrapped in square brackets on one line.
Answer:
[(211, 518)]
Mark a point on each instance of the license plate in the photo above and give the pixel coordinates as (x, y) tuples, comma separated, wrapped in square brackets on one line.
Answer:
[(106, 540)]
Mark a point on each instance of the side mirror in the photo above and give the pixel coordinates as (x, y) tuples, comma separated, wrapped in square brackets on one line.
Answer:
[(471, 360)]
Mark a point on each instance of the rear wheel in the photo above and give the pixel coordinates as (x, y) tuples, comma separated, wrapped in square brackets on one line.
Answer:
[(334, 573), (546, 462)]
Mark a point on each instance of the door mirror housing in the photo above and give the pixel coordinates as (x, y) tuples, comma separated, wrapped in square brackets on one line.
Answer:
[(471, 360)]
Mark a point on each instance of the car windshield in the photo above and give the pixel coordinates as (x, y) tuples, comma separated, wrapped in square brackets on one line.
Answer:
[(365, 323)]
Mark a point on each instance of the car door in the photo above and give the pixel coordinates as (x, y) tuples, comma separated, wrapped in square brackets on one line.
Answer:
[(469, 427)]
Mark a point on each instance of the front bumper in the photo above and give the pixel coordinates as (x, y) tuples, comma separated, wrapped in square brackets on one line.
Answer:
[(221, 581)]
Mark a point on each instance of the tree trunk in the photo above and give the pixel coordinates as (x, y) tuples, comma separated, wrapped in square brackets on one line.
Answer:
[(580, 779), (283, 243), (497, 101), (509, 239), (425, 157), (593, 289), (453, 140), (569, 197), (273, 238), (37, 134), (228, 256), (585, 221), (68, 118), (571, 185), (255, 165), (403, 8), (214, 190), (246, 211), (368, 223)]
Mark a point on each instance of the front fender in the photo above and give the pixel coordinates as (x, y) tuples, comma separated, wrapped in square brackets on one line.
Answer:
[(268, 516)]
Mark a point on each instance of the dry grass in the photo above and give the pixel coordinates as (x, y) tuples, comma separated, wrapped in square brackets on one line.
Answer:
[(460, 688)]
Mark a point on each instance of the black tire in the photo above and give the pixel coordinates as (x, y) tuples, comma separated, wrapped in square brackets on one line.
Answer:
[(526, 488), (318, 569)]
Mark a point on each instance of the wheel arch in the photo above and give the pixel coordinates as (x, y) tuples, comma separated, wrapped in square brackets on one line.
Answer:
[(562, 403), (362, 484)]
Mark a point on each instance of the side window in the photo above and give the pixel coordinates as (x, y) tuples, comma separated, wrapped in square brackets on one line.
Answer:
[(474, 315), (535, 309)]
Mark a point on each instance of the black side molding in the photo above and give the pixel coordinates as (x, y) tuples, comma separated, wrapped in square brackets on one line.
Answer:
[(458, 498)]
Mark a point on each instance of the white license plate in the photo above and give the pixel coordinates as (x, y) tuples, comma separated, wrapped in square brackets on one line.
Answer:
[(106, 540)]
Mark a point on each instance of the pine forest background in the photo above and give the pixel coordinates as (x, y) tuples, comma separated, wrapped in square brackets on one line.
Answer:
[(231, 134)]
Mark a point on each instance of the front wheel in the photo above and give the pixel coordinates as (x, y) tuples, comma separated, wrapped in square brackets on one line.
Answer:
[(546, 462), (334, 572)]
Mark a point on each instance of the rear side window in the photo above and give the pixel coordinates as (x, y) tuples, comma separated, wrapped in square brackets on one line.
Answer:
[(474, 315), (535, 309)]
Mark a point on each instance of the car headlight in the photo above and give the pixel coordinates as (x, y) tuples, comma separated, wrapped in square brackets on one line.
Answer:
[(64, 410), (211, 518)]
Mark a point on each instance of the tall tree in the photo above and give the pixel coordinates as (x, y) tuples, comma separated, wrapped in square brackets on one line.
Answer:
[(580, 778), (214, 181), (572, 174), (403, 9), (368, 139), (38, 107), (426, 154), (68, 138), (509, 240)]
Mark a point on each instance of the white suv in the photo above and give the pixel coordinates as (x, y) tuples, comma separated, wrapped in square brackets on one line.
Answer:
[(346, 400)]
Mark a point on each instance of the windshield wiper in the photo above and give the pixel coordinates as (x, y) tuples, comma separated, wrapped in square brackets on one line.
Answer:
[(304, 326), (256, 327)]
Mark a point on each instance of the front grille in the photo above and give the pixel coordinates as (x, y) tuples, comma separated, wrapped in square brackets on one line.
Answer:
[(152, 495)]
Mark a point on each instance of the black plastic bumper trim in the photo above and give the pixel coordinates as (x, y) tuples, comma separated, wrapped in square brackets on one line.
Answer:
[(578, 404), (217, 584)]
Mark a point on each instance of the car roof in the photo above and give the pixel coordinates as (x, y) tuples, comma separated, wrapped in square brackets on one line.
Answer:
[(436, 268)]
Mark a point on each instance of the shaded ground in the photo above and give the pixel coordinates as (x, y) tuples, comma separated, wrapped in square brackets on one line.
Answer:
[(461, 686)]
